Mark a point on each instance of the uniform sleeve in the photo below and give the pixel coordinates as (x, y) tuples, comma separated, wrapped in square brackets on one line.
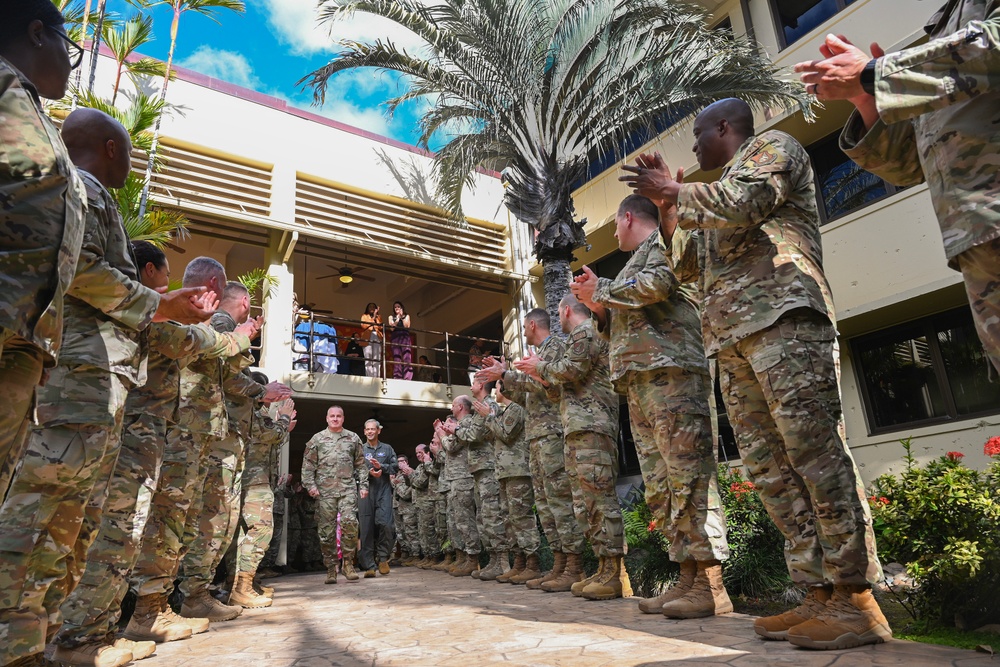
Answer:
[(888, 151), (452, 444), (942, 72), (745, 197), (176, 341), (309, 462), (272, 433), (575, 362), (360, 465), (419, 479), (654, 283), (241, 384), (516, 381), (508, 425), (470, 429), (391, 465)]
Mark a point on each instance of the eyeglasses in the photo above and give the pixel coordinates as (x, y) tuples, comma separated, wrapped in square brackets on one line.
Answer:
[(75, 50)]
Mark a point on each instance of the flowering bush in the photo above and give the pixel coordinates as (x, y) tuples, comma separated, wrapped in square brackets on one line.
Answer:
[(992, 446), (942, 521)]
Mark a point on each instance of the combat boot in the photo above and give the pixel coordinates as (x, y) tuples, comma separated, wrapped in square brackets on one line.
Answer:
[(261, 589), (689, 569), (577, 588), (245, 596), (92, 654), (349, 572), (706, 597), (445, 565), (777, 627), (532, 570), (201, 604), (140, 650), (499, 563), (460, 559), (851, 618), (572, 573), (558, 565), (517, 569), (153, 620), (383, 568), (470, 566), (613, 583), (331, 574)]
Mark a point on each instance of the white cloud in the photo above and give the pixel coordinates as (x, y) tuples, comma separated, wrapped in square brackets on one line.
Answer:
[(230, 66), (372, 120)]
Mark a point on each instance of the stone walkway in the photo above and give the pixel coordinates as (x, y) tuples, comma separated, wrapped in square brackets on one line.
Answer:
[(416, 618)]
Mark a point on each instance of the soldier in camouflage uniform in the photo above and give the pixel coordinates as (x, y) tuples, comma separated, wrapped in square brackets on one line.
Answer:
[(589, 409), (543, 428), (91, 612), (932, 112), (441, 527), (658, 362), (768, 319), (424, 482), (335, 472), (461, 496), (514, 474), (405, 519), (258, 500), (53, 507)]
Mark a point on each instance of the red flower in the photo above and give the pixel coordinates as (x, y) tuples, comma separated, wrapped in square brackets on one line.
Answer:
[(992, 446), (954, 456), (652, 526)]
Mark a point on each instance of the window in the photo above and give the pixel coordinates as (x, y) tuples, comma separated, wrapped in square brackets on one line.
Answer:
[(841, 185), (796, 18), (932, 370)]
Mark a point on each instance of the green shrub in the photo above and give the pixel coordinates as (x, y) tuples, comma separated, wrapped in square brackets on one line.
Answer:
[(942, 521)]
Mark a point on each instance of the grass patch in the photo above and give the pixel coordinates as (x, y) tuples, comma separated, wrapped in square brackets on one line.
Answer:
[(904, 627)]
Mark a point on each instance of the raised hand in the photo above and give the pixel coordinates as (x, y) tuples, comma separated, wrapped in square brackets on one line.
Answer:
[(185, 305)]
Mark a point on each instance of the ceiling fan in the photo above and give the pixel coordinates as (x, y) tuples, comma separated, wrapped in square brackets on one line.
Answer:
[(346, 275)]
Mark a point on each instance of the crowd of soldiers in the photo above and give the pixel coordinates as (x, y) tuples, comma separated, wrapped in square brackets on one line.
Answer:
[(134, 442)]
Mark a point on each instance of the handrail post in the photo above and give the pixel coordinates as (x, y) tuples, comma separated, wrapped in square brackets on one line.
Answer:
[(385, 374), (447, 359), (312, 337)]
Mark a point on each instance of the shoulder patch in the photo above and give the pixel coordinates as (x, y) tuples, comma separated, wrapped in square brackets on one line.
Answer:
[(767, 155)]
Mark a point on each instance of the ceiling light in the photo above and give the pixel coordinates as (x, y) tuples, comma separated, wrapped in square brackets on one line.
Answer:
[(346, 278)]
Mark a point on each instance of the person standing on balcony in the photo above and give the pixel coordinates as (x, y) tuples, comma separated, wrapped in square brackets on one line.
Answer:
[(402, 344), (371, 335), (768, 319)]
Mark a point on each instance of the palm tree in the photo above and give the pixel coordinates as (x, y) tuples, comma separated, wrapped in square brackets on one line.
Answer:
[(542, 89), (125, 40), (207, 8)]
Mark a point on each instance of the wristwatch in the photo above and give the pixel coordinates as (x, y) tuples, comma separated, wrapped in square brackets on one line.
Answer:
[(868, 77)]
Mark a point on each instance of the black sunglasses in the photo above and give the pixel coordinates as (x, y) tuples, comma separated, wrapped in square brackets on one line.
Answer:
[(75, 50)]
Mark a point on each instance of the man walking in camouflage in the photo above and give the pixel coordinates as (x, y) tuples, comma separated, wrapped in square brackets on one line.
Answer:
[(335, 473), (768, 319), (658, 362), (589, 409)]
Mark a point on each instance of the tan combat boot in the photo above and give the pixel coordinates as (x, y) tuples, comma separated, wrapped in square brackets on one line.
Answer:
[(261, 589), (197, 625), (499, 563), (558, 565), (613, 583), (577, 588), (245, 596), (383, 568), (851, 618), (471, 565), (460, 559), (153, 620), (689, 569), (572, 573), (92, 654), (349, 572), (532, 570), (201, 604), (445, 565), (777, 627), (139, 650), (331, 574), (517, 569), (706, 597)]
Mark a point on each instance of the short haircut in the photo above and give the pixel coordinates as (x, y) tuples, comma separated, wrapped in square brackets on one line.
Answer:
[(465, 401), (201, 270), (235, 290), (734, 111), (147, 253), (540, 317), (373, 420), (488, 387), (18, 15), (335, 406), (574, 305), (402, 456), (640, 206)]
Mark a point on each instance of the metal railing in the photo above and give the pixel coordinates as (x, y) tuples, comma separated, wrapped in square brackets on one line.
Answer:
[(361, 348)]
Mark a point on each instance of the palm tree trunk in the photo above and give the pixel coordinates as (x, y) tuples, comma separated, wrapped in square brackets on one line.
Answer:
[(95, 46), (143, 201), (79, 70), (555, 278)]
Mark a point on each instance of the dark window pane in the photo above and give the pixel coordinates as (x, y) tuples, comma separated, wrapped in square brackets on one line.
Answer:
[(843, 185), (968, 367), (796, 18), (900, 380)]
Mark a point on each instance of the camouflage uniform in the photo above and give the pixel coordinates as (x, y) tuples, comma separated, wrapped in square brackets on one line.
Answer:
[(490, 516), (939, 108), (403, 495), (514, 475), (334, 463), (547, 458), (93, 609), (53, 508), (461, 495), (441, 500), (41, 230), (278, 510), (658, 362), (589, 409), (424, 484), (768, 319), (267, 435)]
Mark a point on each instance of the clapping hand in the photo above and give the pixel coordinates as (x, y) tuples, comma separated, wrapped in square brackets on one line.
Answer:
[(651, 177), (481, 408)]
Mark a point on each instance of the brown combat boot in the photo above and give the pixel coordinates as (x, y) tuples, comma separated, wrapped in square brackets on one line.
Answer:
[(706, 597), (348, 567), (532, 570), (153, 620), (331, 574), (558, 565), (445, 565), (499, 563), (517, 569), (201, 604), (470, 565), (140, 650), (460, 559), (245, 596), (777, 627), (383, 568), (689, 569), (92, 654), (572, 573), (577, 588), (851, 618), (261, 589), (613, 583)]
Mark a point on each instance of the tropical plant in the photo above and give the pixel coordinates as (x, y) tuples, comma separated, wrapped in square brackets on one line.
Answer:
[(207, 8), (126, 39), (261, 285), (543, 89)]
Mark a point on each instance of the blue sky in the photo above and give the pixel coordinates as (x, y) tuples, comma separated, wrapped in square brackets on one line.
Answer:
[(274, 44)]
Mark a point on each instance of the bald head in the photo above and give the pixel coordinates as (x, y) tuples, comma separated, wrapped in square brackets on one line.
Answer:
[(720, 130), (736, 112), (99, 145)]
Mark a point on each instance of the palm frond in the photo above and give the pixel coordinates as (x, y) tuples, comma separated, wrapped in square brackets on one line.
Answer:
[(261, 285)]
